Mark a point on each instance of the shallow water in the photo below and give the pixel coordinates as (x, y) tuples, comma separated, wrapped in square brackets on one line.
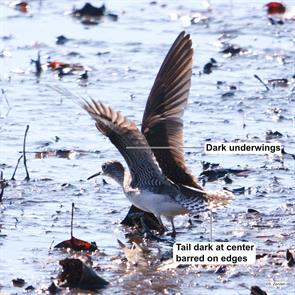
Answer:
[(36, 214)]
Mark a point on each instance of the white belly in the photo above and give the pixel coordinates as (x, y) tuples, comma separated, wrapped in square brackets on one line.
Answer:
[(159, 205)]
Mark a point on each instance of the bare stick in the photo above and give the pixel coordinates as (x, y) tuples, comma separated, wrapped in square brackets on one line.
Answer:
[(50, 247), (72, 219), (24, 154), (211, 225), (12, 177), (2, 185), (259, 79)]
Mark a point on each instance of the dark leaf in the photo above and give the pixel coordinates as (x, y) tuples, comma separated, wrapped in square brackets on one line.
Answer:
[(290, 258), (255, 290), (76, 274), (18, 282)]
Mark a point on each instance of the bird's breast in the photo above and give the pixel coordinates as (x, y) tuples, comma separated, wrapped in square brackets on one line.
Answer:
[(158, 204)]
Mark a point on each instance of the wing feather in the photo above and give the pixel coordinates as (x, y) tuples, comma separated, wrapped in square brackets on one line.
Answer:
[(130, 142), (162, 123)]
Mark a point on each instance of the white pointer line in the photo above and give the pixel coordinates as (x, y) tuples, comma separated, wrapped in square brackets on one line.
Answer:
[(160, 147)]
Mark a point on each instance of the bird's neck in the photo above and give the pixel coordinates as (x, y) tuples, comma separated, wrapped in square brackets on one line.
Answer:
[(126, 182), (121, 177)]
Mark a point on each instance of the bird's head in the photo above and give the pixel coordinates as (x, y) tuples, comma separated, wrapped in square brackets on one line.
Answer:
[(113, 169)]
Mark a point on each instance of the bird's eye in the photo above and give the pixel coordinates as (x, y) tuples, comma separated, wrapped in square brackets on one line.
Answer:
[(103, 166)]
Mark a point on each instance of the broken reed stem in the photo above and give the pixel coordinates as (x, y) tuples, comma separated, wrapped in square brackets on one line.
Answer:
[(24, 154), (211, 225), (72, 219), (5, 97), (260, 80), (12, 177), (2, 185)]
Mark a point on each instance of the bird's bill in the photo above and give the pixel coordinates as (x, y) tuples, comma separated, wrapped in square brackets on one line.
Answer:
[(94, 175)]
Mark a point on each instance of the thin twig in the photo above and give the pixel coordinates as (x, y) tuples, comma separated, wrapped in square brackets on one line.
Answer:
[(12, 177), (5, 97), (24, 154), (72, 219), (260, 80)]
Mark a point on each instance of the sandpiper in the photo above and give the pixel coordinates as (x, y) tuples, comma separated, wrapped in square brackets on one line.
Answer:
[(159, 181)]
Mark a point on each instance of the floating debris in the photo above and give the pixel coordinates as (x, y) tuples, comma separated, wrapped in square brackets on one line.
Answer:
[(253, 211), (290, 258), (208, 165), (227, 179), (275, 22), (239, 191), (103, 53), (22, 6), (208, 67), (18, 282), (65, 154), (190, 19), (228, 94), (215, 174), (112, 17), (3, 185), (61, 40), (134, 255), (221, 269), (84, 79), (5, 53), (287, 155), (278, 82), (7, 37), (255, 290), (89, 10), (30, 288), (64, 72), (232, 50), (91, 15), (76, 274), (273, 135), (53, 289)]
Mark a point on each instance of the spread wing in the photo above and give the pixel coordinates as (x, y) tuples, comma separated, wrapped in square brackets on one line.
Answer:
[(130, 142), (162, 123)]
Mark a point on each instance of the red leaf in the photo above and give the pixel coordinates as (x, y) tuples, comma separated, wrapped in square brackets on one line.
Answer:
[(77, 245), (275, 8), (22, 6), (57, 64)]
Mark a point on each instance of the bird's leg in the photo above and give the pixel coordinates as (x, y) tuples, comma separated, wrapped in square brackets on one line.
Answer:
[(163, 228), (173, 234)]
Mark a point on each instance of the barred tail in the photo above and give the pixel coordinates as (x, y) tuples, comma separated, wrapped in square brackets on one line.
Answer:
[(218, 198)]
